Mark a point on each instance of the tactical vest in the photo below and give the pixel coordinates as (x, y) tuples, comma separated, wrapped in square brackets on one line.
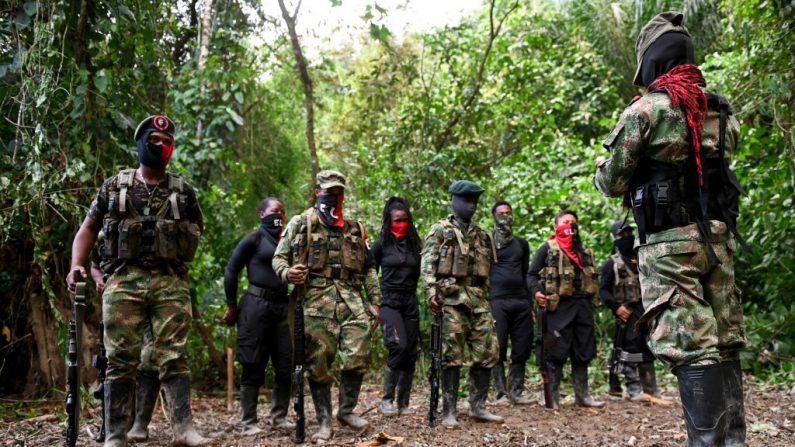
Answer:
[(666, 195), (166, 235), (626, 285), (330, 254), (461, 260), (560, 274)]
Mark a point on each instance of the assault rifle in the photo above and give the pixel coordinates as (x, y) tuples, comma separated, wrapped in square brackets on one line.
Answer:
[(436, 368), (72, 399), (100, 362), (620, 357), (543, 342), (298, 365)]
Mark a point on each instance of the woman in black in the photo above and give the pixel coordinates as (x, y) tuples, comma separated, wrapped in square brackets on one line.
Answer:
[(397, 255), (263, 330)]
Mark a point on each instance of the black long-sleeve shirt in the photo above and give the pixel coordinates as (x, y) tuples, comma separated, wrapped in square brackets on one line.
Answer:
[(400, 268), (254, 252), (509, 272)]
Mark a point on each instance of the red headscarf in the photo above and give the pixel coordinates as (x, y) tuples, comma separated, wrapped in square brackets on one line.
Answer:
[(681, 85), (565, 238)]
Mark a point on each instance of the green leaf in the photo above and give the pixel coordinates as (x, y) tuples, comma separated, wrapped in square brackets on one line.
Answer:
[(101, 83), (30, 8), (239, 97)]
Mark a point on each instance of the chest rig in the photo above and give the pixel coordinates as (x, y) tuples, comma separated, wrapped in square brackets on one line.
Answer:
[(626, 285), (331, 254), (562, 277), (467, 260)]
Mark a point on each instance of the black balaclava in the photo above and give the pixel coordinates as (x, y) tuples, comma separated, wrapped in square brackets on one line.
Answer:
[(624, 245), (668, 51), (463, 209), (150, 154), (272, 224)]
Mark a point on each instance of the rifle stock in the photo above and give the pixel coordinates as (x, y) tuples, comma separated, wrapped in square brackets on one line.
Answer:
[(436, 368), (72, 398)]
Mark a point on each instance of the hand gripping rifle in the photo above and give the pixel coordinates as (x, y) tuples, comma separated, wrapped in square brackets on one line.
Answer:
[(436, 367), (619, 357), (100, 362), (299, 353), (72, 399)]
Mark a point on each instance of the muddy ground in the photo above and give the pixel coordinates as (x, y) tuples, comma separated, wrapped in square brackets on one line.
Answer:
[(770, 416)]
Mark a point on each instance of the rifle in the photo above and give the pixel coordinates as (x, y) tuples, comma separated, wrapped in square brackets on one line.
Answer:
[(436, 367), (299, 291), (619, 357), (100, 362), (549, 400), (72, 399)]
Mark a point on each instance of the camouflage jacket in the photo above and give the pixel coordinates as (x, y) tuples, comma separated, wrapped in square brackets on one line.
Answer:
[(339, 264), (452, 250), (650, 128)]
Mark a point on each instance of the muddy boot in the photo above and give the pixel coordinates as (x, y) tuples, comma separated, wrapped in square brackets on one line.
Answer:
[(633, 382), (735, 408), (178, 394), (388, 400), (516, 387), (321, 396), (450, 379), (248, 409), (350, 386), (146, 397), (498, 373), (118, 411), (579, 380), (280, 402), (648, 379), (478, 391), (704, 404), (405, 378)]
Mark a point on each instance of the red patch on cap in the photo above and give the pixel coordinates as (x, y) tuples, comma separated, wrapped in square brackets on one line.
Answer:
[(160, 122)]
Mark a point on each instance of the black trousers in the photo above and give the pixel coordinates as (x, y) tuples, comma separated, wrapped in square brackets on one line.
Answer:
[(400, 324), (571, 331), (634, 339), (263, 333), (514, 319)]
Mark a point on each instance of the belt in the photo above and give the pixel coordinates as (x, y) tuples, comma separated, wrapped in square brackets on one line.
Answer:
[(471, 282), (334, 273), (265, 294)]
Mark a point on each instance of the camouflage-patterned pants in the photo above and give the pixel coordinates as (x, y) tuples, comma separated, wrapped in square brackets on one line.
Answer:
[(148, 351), (467, 327), (693, 307), (133, 297), (341, 332)]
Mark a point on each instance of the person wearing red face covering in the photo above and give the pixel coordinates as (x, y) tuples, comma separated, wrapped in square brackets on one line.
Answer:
[(563, 279), (151, 222), (397, 255)]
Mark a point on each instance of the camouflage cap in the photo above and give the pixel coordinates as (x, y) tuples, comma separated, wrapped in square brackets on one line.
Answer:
[(329, 179), (465, 188), (160, 123), (666, 22), (618, 227)]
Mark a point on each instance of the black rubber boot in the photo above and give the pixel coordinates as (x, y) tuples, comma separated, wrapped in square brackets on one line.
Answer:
[(350, 385), (248, 409), (450, 378), (146, 397), (178, 394), (704, 404), (118, 411), (280, 402), (388, 400), (321, 396), (405, 379), (516, 387), (478, 391), (498, 374), (633, 382), (733, 392), (579, 380)]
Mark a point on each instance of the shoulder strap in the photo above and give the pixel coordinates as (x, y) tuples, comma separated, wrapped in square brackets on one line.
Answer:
[(124, 180), (493, 247)]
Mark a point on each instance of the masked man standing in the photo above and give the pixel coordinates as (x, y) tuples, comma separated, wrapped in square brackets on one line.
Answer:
[(152, 224), (668, 158), (328, 254), (456, 262)]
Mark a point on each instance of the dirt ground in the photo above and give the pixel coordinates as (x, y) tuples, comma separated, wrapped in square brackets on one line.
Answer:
[(770, 417)]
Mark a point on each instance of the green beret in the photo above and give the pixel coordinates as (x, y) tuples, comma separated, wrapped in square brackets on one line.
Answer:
[(329, 179), (465, 188), (160, 123), (666, 22)]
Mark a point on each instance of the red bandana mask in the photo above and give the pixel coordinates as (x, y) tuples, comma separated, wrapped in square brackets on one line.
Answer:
[(400, 229), (564, 235)]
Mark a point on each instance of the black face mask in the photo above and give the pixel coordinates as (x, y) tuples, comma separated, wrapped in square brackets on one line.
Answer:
[(625, 246), (464, 209), (667, 52), (272, 224), (150, 154), (327, 206)]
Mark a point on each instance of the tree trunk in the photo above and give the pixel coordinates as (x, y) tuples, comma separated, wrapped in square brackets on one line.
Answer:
[(205, 37), (306, 81), (48, 368)]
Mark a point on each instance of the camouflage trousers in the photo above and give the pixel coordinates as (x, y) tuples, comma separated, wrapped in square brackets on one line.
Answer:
[(469, 327), (135, 297), (340, 331), (693, 307), (148, 351)]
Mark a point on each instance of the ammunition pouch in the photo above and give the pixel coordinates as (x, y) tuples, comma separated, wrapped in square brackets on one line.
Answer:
[(553, 300)]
